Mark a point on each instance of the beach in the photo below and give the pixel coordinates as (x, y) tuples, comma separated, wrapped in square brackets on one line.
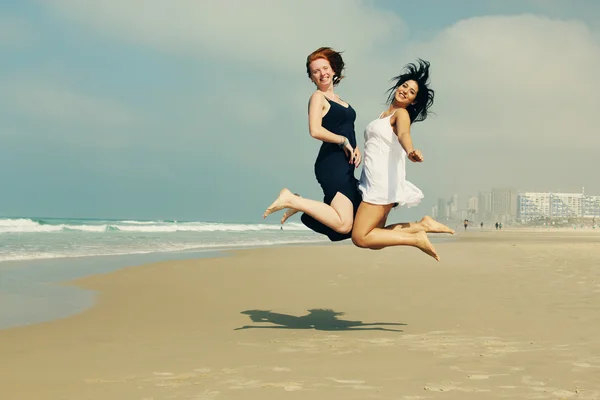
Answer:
[(505, 314)]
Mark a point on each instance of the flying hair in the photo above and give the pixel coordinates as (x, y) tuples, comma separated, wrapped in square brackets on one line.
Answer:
[(418, 72)]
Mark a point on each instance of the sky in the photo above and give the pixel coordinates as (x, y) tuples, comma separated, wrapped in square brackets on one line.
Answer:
[(197, 110)]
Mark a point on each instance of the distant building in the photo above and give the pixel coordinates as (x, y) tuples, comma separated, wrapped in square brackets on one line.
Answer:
[(534, 206), (566, 205), (434, 212), (591, 206), (453, 207), (485, 204), (443, 209), (473, 205), (508, 205), (504, 204)]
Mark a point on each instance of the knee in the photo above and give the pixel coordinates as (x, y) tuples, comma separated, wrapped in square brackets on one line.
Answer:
[(345, 227), (359, 241)]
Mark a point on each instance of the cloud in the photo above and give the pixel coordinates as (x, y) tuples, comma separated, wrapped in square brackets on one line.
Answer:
[(515, 100), (267, 33), (504, 83), (261, 99)]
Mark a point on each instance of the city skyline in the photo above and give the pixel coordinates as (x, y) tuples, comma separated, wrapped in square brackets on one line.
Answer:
[(509, 205)]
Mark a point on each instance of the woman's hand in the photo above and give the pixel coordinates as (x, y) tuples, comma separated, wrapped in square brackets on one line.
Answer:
[(357, 157), (345, 145), (415, 156)]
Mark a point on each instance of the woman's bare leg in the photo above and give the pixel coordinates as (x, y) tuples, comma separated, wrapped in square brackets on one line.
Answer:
[(381, 225), (367, 234), (426, 224), (338, 216), (288, 213)]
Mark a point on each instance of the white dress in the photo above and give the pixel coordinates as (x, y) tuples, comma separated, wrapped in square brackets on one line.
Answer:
[(383, 178)]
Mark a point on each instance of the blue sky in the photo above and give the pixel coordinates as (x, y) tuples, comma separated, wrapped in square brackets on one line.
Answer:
[(197, 110)]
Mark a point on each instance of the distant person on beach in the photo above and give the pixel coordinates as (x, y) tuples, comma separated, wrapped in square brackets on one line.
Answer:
[(330, 120), (383, 183), (496, 226), (466, 223), (481, 224)]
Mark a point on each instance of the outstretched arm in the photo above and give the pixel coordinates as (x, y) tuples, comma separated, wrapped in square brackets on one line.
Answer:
[(402, 125)]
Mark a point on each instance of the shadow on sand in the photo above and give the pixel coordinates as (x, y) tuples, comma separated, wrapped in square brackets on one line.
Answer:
[(318, 319)]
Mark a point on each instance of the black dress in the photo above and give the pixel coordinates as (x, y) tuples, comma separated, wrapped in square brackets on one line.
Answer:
[(332, 170)]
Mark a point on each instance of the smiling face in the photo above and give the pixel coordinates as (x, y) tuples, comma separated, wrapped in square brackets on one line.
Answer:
[(406, 93), (321, 73)]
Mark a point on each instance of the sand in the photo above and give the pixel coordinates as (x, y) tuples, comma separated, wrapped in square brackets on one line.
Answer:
[(512, 315)]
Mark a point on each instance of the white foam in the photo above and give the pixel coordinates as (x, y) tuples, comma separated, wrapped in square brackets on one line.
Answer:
[(24, 225), (34, 239), (159, 248)]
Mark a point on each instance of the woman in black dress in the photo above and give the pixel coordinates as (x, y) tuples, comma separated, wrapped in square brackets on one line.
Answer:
[(331, 120)]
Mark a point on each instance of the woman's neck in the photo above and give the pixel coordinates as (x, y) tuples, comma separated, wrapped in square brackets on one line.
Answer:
[(327, 91), (393, 108)]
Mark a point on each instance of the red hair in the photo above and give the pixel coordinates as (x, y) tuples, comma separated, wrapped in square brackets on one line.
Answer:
[(334, 58)]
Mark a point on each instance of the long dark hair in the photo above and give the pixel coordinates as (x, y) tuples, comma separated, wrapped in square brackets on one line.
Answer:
[(424, 99)]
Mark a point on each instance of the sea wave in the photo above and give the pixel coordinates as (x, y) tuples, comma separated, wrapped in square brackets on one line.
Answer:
[(164, 248), (27, 225)]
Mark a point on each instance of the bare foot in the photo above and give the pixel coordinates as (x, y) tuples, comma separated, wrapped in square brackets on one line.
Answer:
[(283, 201), (288, 213), (425, 245), (432, 226)]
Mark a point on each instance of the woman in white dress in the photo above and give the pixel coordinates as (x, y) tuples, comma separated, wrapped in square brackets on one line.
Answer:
[(383, 181)]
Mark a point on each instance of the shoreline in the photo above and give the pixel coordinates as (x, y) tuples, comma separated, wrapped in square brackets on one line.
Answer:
[(34, 291), (501, 316), (37, 291)]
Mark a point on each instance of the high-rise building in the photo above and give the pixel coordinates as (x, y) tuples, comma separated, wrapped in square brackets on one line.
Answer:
[(591, 206), (434, 211), (485, 204), (473, 205), (557, 205), (534, 206), (566, 205), (504, 203), (453, 207), (442, 208)]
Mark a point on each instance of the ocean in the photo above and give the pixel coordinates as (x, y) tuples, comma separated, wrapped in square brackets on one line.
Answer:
[(38, 254), (48, 238)]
